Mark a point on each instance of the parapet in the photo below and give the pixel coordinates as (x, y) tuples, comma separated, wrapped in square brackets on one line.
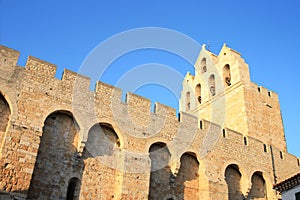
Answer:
[(40, 67), (9, 56)]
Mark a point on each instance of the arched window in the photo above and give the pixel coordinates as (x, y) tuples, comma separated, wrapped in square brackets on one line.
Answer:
[(188, 101), (212, 85), (233, 179), (198, 93), (203, 65), (73, 189), (160, 175), (258, 188), (4, 117), (226, 75)]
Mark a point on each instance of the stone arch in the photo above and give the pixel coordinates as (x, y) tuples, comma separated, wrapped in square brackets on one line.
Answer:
[(187, 181), (227, 75), (212, 84), (5, 116), (57, 156), (198, 94), (258, 187), (233, 178), (101, 160), (203, 65), (161, 176), (102, 140), (110, 123)]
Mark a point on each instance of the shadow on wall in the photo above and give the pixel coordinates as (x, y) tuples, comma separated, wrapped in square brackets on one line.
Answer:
[(61, 173), (163, 183), (58, 168)]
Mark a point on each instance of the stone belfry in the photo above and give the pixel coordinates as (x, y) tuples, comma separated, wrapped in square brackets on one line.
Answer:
[(221, 92)]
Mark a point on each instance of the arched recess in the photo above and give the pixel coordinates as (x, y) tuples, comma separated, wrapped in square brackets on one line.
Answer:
[(57, 157), (161, 176), (73, 189), (227, 75), (258, 187), (100, 160), (5, 115), (212, 85), (198, 94), (233, 180), (203, 65), (187, 181), (188, 101)]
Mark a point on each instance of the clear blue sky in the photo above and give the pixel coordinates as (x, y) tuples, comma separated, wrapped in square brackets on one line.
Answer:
[(267, 33)]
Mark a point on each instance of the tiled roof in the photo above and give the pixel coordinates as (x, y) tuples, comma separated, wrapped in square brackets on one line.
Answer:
[(288, 183)]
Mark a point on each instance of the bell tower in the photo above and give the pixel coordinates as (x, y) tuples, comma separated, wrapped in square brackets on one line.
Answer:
[(221, 92)]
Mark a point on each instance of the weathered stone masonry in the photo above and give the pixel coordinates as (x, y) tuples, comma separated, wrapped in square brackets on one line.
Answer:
[(59, 140)]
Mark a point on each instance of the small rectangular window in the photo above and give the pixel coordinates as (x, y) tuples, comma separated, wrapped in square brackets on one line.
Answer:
[(270, 94), (245, 141), (224, 133), (281, 155), (298, 160), (265, 148), (258, 88), (201, 124)]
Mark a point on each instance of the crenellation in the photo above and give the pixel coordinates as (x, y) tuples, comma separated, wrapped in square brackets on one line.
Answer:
[(50, 123), (8, 57), (39, 67)]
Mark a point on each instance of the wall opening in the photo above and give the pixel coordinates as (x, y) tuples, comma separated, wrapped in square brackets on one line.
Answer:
[(188, 101), (187, 180), (224, 133), (212, 85), (198, 94), (233, 179), (245, 140), (73, 189), (161, 175), (258, 187), (201, 124), (281, 155), (203, 65), (265, 148), (227, 75), (5, 117), (99, 154), (57, 156)]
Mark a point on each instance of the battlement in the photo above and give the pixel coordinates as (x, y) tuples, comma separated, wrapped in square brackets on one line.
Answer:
[(40, 107)]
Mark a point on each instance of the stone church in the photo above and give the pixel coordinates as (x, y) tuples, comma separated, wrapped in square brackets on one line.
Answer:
[(60, 140)]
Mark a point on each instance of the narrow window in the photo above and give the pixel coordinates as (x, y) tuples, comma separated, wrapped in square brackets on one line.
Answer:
[(265, 148), (188, 102), (269, 93), (203, 65), (298, 160), (281, 155), (258, 88), (201, 124), (227, 75), (212, 85), (224, 133), (198, 93), (245, 141)]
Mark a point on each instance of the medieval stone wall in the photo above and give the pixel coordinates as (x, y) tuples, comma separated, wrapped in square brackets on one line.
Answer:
[(63, 141)]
